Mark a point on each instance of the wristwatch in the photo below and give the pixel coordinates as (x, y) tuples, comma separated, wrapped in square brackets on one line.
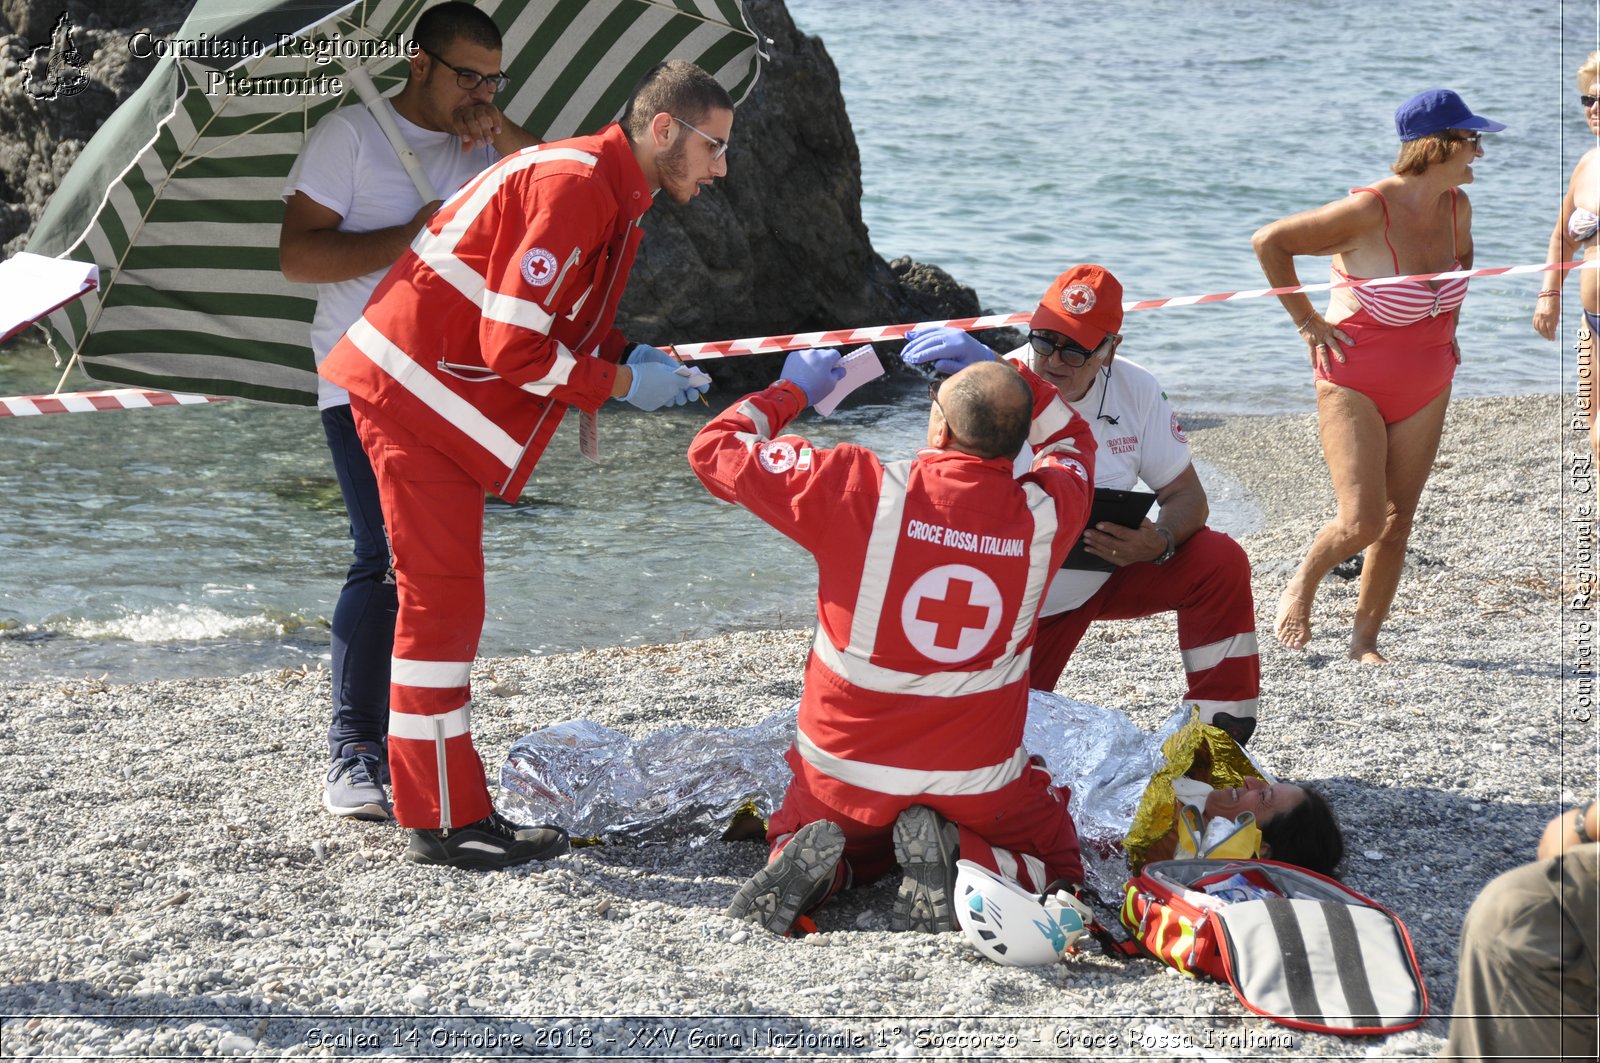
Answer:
[(1580, 823), (1172, 546)]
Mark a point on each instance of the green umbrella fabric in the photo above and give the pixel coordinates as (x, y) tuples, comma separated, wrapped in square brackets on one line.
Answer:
[(177, 196)]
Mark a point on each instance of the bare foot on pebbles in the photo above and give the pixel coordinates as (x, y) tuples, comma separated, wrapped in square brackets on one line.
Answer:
[(1293, 626), (1367, 654)]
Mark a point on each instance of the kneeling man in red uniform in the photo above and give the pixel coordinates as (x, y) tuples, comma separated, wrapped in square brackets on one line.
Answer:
[(1172, 564), (930, 574)]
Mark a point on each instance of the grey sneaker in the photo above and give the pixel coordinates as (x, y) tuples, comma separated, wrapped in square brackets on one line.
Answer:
[(925, 846), (490, 844), (353, 787), (798, 879)]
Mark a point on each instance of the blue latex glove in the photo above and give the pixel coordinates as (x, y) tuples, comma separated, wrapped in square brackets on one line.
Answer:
[(813, 372), (644, 354), (949, 349), (656, 385)]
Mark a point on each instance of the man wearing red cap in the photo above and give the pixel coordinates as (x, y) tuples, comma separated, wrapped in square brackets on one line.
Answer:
[(1174, 563)]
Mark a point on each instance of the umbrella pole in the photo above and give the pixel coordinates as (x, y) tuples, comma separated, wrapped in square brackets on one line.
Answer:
[(362, 81)]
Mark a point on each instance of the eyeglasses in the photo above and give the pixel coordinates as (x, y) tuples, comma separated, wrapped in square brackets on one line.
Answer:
[(1070, 351), (933, 393), (1588, 101), (468, 78), (1475, 139), (719, 146)]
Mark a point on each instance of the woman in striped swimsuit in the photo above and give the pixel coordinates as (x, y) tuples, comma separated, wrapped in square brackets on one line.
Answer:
[(1383, 357), (1578, 228)]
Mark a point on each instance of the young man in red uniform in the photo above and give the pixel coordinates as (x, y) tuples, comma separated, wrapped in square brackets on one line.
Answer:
[(930, 575), (497, 318), (350, 211)]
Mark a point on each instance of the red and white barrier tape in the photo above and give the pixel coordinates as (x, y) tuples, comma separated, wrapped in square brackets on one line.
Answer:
[(136, 398), (842, 337), (90, 401)]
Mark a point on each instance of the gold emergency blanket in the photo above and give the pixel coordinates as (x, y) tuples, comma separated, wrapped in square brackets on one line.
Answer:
[(1197, 751)]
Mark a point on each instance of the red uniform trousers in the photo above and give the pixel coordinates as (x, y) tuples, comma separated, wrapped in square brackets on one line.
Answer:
[(434, 513), (1207, 582), (1021, 831)]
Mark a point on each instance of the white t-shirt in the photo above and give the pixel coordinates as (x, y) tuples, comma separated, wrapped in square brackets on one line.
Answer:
[(1141, 441), (349, 166)]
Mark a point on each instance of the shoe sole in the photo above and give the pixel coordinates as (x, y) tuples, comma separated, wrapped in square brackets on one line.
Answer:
[(773, 895), (922, 903), (371, 811), (469, 863)]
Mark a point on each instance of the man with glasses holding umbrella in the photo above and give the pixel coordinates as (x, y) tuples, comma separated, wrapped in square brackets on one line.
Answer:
[(351, 210), (1172, 564)]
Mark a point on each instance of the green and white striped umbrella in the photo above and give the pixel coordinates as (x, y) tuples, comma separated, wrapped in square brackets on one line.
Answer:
[(177, 197)]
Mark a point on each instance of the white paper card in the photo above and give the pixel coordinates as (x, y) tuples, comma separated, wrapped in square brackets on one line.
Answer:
[(589, 435), (860, 366), (32, 285)]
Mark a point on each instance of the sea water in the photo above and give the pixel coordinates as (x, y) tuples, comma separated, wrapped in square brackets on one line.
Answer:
[(1002, 141)]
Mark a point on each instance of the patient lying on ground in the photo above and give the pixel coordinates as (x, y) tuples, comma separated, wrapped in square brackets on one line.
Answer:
[(1210, 798)]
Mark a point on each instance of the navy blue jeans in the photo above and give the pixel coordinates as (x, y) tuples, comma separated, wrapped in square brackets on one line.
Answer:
[(363, 619)]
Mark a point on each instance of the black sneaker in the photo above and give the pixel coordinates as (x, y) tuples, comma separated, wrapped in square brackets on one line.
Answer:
[(795, 881), (926, 846), (490, 844)]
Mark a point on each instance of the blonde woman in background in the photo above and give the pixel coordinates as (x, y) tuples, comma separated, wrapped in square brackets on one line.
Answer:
[(1384, 356), (1578, 229)]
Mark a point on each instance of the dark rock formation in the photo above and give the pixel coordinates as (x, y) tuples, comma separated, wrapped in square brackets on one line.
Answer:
[(779, 246), (47, 115)]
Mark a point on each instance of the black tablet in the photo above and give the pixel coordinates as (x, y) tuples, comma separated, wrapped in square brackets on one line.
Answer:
[(1127, 508)]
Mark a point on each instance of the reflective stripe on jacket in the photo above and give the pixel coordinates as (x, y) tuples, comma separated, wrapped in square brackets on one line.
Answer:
[(930, 577), (499, 315)]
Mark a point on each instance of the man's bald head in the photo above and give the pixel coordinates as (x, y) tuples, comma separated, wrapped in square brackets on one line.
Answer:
[(989, 409)]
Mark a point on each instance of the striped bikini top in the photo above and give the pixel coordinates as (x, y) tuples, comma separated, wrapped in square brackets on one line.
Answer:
[(1582, 225), (1412, 301)]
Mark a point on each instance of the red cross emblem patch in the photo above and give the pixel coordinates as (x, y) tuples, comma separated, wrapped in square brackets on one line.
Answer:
[(950, 613), (1077, 298)]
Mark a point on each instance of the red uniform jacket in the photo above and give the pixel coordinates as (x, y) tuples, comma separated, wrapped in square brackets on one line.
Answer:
[(498, 317), (930, 577)]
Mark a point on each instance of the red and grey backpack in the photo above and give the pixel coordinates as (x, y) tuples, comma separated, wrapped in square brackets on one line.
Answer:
[(1297, 947)]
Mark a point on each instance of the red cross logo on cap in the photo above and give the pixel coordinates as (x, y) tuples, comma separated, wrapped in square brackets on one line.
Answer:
[(1077, 299), (950, 613)]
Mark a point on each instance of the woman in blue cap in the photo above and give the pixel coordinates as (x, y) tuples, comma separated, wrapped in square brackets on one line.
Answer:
[(1578, 229), (1383, 357)]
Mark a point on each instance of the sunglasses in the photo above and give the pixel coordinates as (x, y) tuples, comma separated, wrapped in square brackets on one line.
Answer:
[(1070, 351), (1475, 139), (1588, 101), (719, 147), (470, 79)]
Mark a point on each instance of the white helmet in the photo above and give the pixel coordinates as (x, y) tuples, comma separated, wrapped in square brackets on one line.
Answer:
[(1010, 925)]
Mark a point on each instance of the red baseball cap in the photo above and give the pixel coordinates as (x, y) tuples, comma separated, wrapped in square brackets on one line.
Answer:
[(1085, 303)]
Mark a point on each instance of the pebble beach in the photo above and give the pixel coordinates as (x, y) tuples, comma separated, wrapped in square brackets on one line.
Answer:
[(172, 886)]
